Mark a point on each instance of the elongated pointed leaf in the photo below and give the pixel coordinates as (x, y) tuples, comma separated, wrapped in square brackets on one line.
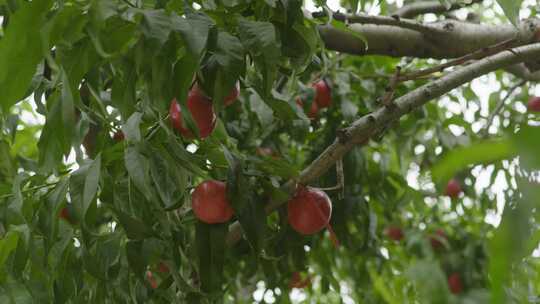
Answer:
[(481, 152), (135, 228), (83, 186), (131, 127), (7, 244), (210, 245), (21, 50), (169, 180), (511, 9), (247, 206), (138, 169)]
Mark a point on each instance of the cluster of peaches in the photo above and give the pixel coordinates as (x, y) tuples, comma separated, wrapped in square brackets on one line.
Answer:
[(309, 210)]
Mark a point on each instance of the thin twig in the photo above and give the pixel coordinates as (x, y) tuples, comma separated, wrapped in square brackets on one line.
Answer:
[(499, 106), (391, 89), (479, 54), (383, 20), (153, 129), (428, 193), (419, 8), (336, 187), (129, 3), (29, 189), (340, 179)]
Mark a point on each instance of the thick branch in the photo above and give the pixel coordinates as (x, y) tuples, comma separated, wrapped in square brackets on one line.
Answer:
[(436, 7), (363, 128), (456, 38)]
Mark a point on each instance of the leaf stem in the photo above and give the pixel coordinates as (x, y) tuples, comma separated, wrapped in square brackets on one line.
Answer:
[(30, 189)]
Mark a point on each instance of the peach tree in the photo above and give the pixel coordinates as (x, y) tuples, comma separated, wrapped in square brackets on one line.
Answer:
[(232, 151)]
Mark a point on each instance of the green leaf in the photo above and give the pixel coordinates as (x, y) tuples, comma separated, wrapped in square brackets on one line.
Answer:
[(345, 28), (138, 169), (20, 204), (260, 39), (264, 112), (310, 38), (185, 159), (354, 5), (429, 280), (131, 127), (237, 187), (16, 203), (135, 259), (511, 9), (83, 186), (249, 211), (21, 51), (135, 228), (51, 144), (123, 94), (156, 25), (101, 10), (481, 152), (116, 38), (55, 201), (525, 142), (76, 61), (7, 244), (99, 257), (194, 31), (210, 240), (222, 68), (169, 180), (183, 72), (68, 25), (282, 108), (515, 229), (162, 76), (381, 286), (68, 110)]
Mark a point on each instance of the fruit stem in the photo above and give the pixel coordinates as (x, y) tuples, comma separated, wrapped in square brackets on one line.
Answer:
[(333, 236), (340, 180)]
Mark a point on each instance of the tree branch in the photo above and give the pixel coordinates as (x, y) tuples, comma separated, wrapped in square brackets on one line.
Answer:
[(436, 7), (362, 129), (391, 89), (459, 61), (456, 38), (384, 20), (500, 105), (521, 71)]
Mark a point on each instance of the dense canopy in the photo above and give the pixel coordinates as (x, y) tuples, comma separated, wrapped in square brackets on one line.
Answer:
[(274, 151)]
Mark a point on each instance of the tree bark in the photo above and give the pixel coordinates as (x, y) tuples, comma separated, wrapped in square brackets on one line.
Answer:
[(449, 38)]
